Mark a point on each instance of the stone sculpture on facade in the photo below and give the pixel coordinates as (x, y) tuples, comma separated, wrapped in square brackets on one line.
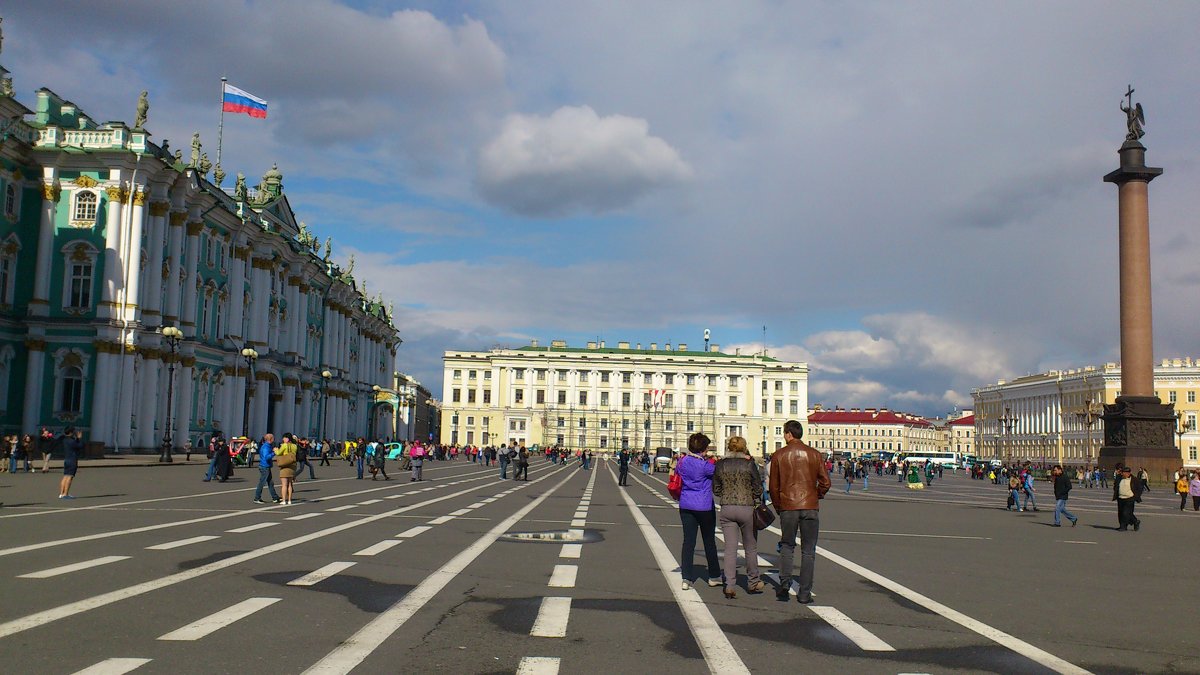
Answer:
[(239, 187), (195, 163), (143, 107), (205, 165)]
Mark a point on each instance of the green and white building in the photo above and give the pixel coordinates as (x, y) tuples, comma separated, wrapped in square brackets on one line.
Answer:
[(106, 238)]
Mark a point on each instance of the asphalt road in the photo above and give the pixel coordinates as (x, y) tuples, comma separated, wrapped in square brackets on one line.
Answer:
[(150, 570)]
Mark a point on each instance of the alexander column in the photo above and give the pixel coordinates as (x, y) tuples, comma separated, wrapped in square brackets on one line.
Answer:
[(1138, 427)]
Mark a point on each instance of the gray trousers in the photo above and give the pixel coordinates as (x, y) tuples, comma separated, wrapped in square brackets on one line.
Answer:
[(807, 522), (737, 522)]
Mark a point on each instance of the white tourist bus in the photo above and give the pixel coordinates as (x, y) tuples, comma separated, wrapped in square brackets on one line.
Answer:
[(950, 460)]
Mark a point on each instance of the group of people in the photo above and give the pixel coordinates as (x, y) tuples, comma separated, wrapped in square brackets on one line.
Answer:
[(796, 480), (1188, 485), (20, 450)]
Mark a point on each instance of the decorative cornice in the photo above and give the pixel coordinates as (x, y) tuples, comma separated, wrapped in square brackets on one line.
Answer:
[(187, 361), (149, 353), (85, 182), (291, 382), (115, 193), (293, 281), (139, 198), (260, 263), (263, 376), (241, 252)]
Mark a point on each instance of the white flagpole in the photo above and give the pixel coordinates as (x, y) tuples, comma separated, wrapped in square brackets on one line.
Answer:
[(221, 125)]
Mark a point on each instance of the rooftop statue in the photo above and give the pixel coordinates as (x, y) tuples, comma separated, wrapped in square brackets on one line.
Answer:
[(179, 157), (205, 165), (6, 87), (1, 33), (328, 247), (350, 269), (195, 150), (1135, 119), (143, 107), (239, 187), (219, 175)]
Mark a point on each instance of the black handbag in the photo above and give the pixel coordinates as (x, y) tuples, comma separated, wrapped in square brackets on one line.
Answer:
[(763, 517)]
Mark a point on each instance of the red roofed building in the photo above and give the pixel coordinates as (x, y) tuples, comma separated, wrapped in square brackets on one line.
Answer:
[(860, 431), (961, 434)]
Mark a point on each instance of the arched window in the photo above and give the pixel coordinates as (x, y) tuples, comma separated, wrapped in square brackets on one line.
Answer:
[(86, 204), (8, 268), (79, 270), (10, 201), (71, 392)]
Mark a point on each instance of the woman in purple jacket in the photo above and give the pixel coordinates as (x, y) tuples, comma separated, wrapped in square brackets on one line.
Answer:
[(696, 510)]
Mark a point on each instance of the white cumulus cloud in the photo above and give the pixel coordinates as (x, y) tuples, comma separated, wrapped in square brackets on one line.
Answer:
[(575, 161)]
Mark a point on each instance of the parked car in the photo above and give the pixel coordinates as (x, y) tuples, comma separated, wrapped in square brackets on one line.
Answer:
[(394, 450), (662, 459)]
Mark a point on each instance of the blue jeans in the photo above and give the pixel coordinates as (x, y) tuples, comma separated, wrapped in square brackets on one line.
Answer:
[(1016, 499), (264, 479), (504, 467), (359, 463), (1028, 498), (1060, 506), (212, 467), (849, 483), (866, 481)]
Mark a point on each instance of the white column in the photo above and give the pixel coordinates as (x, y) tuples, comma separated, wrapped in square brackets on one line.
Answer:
[(237, 424), (123, 431), (260, 290), (40, 304), (104, 394), (183, 399), (35, 377), (287, 409), (147, 407), (237, 284), (111, 284), (174, 266), (304, 417), (132, 255), (153, 281), (187, 320)]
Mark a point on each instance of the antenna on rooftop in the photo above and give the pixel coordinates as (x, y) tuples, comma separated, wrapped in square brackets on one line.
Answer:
[(764, 340)]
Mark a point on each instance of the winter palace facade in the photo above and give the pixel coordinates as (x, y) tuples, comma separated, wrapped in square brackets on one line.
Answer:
[(107, 238)]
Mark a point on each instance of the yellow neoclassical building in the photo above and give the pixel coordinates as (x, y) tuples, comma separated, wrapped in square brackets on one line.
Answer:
[(606, 398), (1055, 416)]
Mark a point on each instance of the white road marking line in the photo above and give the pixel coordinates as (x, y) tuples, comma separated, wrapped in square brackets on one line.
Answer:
[(903, 534), (303, 516), (319, 575), (571, 551), (214, 622), (369, 502), (580, 514), (181, 542), (393, 496), (575, 534), (489, 500), (538, 665), (382, 546), (714, 644), (67, 569), (1068, 541), (578, 522), (552, 618), (116, 666), (359, 646), (865, 639), (441, 520), (996, 635), (475, 505), (563, 576), (413, 531), (341, 508), (764, 563), (251, 528), (53, 614), (460, 512)]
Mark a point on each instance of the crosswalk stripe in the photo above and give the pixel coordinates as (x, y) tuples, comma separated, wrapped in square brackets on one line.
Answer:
[(475, 505), (571, 551), (116, 666), (578, 522), (369, 502), (441, 520), (382, 546), (865, 639), (303, 516), (552, 618), (75, 567), (341, 508), (251, 528), (181, 542), (563, 576), (413, 531), (538, 665), (214, 622), (460, 512), (319, 575)]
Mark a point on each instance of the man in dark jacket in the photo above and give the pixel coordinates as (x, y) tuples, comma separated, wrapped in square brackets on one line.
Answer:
[(1127, 490), (797, 481), (623, 465), (1062, 486)]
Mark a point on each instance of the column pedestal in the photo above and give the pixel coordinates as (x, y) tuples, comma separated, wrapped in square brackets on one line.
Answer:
[(1139, 432)]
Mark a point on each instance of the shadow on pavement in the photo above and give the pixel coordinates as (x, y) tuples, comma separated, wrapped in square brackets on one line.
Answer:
[(366, 594)]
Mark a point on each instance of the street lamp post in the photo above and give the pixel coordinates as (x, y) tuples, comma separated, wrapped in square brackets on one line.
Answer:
[(1007, 420), (251, 356), (1181, 428), (1088, 417), (173, 337), (325, 375), (1045, 448)]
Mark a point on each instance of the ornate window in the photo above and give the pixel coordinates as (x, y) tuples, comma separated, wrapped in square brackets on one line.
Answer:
[(87, 203), (6, 357), (11, 203), (8, 269), (79, 271), (70, 366)]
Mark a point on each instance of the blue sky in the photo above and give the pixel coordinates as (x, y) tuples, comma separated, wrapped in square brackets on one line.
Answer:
[(907, 195)]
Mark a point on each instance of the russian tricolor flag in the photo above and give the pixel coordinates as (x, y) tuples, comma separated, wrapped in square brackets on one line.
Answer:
[(235, 100)]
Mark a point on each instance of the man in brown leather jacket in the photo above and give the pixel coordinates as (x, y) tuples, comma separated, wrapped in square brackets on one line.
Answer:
[(797, 481)]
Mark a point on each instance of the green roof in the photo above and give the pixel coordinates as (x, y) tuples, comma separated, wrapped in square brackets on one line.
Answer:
[(644, 352)]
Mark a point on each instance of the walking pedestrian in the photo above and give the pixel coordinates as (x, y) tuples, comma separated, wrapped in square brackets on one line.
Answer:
[(798, 483), (416, 454), (324, 450), (380, 460), (1144, 478), (1194, 490), (212, 457), (187, 450), (222, 456), (737, 484), (623, 467), (1181, 486), (72, 447), (46, 442), (360, 456), (303, 460), (504, 461), (1062, 486), (522, 472), (25, 449), (266, 458), (1027, 489), (286, 459), (697, 511), (1127, 490)]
